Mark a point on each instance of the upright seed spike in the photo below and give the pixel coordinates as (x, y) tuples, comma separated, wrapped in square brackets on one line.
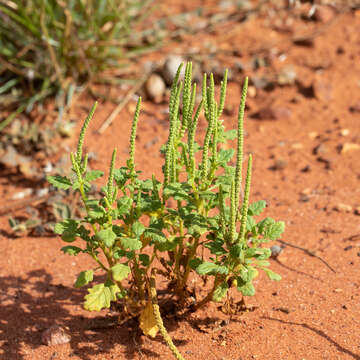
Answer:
[(222, 94), (173, 130), (240, 142), (186, 95), (245, 206), (110, 184), (174, 88), (192, 103), (84, 163), (233, 211), (131, 163), (191, 140), (205, 97), (82, 133), (222, 209)]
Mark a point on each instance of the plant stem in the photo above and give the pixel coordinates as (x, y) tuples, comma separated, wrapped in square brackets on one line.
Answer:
[(209, 296), (158, 318)]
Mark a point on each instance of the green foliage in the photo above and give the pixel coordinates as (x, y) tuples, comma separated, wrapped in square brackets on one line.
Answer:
[(139, 235), (49, 47)]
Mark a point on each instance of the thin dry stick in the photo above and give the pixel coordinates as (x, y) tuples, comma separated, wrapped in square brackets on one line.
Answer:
[(123, 103), (307, 252)]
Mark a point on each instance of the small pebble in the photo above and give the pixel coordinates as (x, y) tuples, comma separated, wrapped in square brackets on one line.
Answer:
[(275, 251), (348, 147), (55, 335), (344, 208), (22, 194), (155, 88), (170, 68), (344, 132)]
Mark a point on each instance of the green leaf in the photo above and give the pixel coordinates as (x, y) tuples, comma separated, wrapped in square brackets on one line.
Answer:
[(272, 275), (250, 224), (100, 296), (216, 247), (155, 234), (194, 263), (60, 182), (258, 253), (236, 251), (247, 289), (248, 273), (230, 134), (107, 236), (225, 155), (71, 250), (257, 208), (96, 211), (220, 292), (208, 268), (177, 191), (124, 205), (93, 175), (84, 278), (67, 229), (145, 259), (120, 272), (130, 243), (138, 228), (274, 231)]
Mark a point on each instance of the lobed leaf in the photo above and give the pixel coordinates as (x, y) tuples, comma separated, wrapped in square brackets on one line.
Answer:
[(120, 272), (84, 278), (106, 236), (220, 292), (71, 250), (60, 182), (100, 296)]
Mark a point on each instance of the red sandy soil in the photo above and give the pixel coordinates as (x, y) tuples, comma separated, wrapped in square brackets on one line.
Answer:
[(313, 313)]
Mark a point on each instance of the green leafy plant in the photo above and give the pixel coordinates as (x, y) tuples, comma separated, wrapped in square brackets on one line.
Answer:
[(195, 222), (48, 47)]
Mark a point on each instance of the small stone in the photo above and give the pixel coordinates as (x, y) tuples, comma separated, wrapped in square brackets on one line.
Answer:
[(323, 90), (323, 13), (275, 251), (287, 76), (355, 107), (22, 194), (274, 113), (344, 208), (42, 192), (279, 164), (155, 87), (344, 132), (338, 290), (170, 68), (357, 210), (252, 91), (297, 146), (320, 149), (55, 335), (348, 147), (313, 135)]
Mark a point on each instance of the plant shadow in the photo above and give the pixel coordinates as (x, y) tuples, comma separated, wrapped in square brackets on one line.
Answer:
[(33, 303), (318, 332)]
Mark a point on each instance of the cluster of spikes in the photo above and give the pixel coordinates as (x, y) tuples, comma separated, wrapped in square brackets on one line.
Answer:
[(183, 124)]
